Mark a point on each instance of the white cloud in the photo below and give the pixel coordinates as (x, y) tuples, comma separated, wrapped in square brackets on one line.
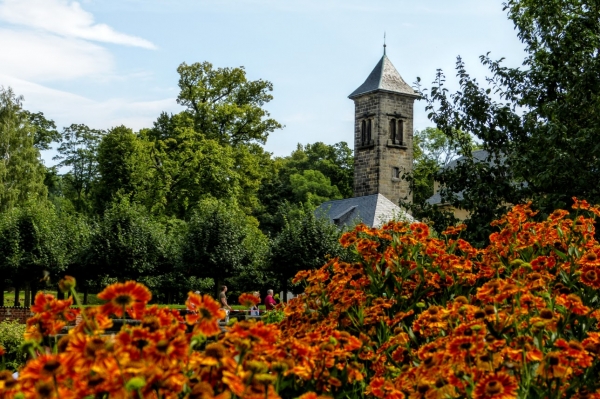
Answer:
[(64, 18), (38, 56), (66, 108)]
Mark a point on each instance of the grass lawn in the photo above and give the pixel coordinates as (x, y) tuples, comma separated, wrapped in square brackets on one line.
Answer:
[(9, 300)]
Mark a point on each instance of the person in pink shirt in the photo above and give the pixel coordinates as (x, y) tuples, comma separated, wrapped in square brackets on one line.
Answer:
[(269, 301)]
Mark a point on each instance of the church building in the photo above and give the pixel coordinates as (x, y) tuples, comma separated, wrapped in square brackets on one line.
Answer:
[(383, 150)]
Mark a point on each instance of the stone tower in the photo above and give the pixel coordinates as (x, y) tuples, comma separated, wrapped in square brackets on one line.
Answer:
[(383, 133)]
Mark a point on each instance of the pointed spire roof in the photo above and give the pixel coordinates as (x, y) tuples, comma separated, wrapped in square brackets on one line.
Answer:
[(384, 77)]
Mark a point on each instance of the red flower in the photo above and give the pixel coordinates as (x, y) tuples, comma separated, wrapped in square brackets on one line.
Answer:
[(130, 296)]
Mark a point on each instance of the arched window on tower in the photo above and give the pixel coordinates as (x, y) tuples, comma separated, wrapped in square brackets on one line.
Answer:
[(363, 132), (400, 134), (393, 131), (368, 131)]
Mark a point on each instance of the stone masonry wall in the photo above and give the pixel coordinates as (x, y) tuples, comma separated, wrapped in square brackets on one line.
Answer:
[(374, 165), (366, 158), (11, 313)]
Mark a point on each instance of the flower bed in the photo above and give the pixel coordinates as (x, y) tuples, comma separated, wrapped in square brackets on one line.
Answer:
[(417, 316)]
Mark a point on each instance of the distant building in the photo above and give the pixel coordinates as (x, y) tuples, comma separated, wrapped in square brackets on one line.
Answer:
[(383, 149), (436, 198)]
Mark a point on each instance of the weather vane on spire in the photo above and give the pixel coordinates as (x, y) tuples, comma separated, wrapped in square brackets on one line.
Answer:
[(384, 43)]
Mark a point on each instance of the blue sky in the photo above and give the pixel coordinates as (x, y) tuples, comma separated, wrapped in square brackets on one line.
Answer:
[(110, 62)]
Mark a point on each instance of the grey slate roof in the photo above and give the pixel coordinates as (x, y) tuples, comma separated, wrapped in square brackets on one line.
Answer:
[(372, 210), (384, 78)]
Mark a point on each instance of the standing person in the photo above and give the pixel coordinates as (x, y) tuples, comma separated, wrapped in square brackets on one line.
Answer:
[(269, 301), (223, 302), (223, 298)]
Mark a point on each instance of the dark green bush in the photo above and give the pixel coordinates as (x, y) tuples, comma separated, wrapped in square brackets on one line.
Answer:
[(11, 338)]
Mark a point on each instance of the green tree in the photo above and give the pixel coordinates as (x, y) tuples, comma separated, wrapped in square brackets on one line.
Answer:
[(33, 246), (321, 172), (311, 187), (537, 123), (305, 242), (127, 244), (222, 242), (78, 151), (45, 130), (123, 167), (224, 104), (21, 170), (434, 151)]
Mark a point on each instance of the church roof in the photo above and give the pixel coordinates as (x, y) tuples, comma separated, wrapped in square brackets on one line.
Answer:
[(384, 77), (373, 210)]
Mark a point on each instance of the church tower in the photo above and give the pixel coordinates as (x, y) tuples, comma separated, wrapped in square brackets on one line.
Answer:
[(383, 133)]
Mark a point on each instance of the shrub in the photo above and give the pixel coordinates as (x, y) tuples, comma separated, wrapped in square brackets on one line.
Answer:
[(519, 318), (11, 338)]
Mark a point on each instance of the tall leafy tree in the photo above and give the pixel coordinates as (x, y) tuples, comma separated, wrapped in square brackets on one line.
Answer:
[(311, 174), (224, 104), (539, 123), (222, 242), (33, 245), (45, 130), (78, 151), (305, 242), (21, 170), (127, 244), (123, 167)]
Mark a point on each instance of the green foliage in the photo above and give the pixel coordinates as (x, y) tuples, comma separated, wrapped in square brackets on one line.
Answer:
[(186, 166), (311, 174), (34, 242), (305, 243), (273, 316), (11, 339), (78, 151), (128, 243), (224, 105), (21, 170), (311, 187), (123, 166), (222, 242), (538, 123), (45, 130)]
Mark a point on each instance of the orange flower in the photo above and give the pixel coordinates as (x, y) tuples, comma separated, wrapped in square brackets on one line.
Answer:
[(496, 386), (420, 230), (590, 276), (248, 300), (205, 314), (130, 296), (543, 263)]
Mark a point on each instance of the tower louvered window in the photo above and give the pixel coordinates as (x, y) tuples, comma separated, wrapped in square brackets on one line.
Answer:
[(363, 132), (400, 133)]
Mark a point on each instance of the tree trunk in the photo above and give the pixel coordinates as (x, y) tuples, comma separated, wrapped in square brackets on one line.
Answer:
[(17, 293), (218, 284), (27, 300), (34, 290), (59, 294)]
